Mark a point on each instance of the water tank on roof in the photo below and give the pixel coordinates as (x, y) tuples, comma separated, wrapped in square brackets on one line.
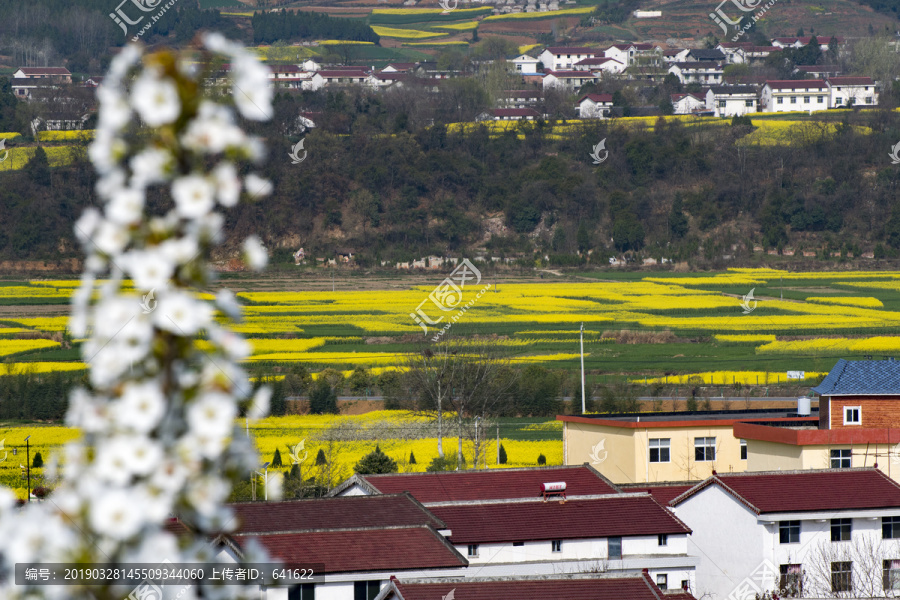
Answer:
[(554, 486), (803, 408)]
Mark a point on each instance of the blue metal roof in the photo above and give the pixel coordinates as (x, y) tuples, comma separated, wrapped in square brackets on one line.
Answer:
[(861, 378)]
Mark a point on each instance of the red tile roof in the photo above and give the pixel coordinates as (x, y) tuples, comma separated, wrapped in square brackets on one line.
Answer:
[(343, 73), (491, 484), (597, 60), (596, 98), (533, 520), (44, 70), (572, 74), (332, 513), (573, 50), (596, 587), (792, 84), (661, 492), (348, 550), (804, 491), (851, 81)]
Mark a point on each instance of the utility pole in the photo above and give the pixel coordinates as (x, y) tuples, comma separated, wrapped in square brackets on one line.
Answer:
[(581, 340), (28, 466), (498, 443)]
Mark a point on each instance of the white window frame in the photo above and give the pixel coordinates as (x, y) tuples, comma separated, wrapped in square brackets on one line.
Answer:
[(858, 410), (472, 550), (662, 581), (706, 444), (555, 545), (743, 449), (660, 445)]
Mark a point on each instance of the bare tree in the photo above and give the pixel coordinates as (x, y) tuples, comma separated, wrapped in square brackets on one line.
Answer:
[(852, 569), (433, 373)]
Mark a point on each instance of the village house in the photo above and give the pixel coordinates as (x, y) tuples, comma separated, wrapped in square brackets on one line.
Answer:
[(794, 95), (568, 80), (519, 98), (815, 534), (819, 71), (599, 64), (594, 106), (560, 58), (666, 446), (685, 104), (705, 55), (509, 114), (675, 55), (53, 74), (799, 42), (731, 100), (858, 424), (697, 72), (525, 63), (592, 586), (852, 91)]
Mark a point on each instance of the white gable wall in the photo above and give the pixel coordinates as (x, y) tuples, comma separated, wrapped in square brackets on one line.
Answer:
[(726, 537)]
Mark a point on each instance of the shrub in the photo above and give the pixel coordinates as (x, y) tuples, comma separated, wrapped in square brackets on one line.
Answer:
[(320, 458), (40, 491), (376, 462), (38, 461), (502, 455), (323, 398), (276, 460), (412, 458), (542, 460), (447, 463)]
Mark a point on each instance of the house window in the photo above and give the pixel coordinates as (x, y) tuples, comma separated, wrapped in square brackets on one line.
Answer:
[(748, 103), (820, 99), (556, 546), (518, 543), (366, 590), (840, 530), (662, 539), (723, 103), (473, 550), (890, 528), (659, 450), (840, 459), (791, 582), (852, 415), (780, 100), (793, 99), (839, 89), (842, 576), (614, 548), (838, 101), (743, 449), (704, 449), (891, 575), (662, 581), (869, 100), (789, 532), (304, 591), (805, 99)]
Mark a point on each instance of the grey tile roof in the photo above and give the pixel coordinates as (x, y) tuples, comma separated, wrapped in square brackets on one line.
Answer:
[(861, 378)]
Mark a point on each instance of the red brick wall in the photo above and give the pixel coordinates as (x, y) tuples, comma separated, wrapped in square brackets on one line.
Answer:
[(875, 412)]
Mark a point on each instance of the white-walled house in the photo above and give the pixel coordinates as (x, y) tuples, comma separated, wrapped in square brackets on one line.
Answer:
[(731, 100), (557, 58), (568, 80), (708, 72), (594, 106), (855, 91), (600, 64), (805, 533), (614, 532), (789, 95), (685, 104), (525, 63), (675, 55)]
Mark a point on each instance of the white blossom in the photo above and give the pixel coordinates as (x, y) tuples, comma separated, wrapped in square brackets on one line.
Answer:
[(228, 184), (117, 514), (181, 313), (257, 186), (194, 196), (150, 166), (212, 414), (156, 99), (126, 206), (141, 406), (149, 269), (255, 254)]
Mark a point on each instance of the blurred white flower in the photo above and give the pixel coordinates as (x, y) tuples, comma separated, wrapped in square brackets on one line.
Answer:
[(181, 313), (212, 414), (105, 150), (234, 346), (110, 238), (144, 455), (228, 184), (206, 493), (126, 206), (141, 406), (180, 250), (117, 514), (257, 186), (228, 304), (255, 254), (193, 196), (86, 225), (86, 412), (112, 460), (155, 99), (115, 112), (213, 130), (149, 268), (259, 405), (150, 166)]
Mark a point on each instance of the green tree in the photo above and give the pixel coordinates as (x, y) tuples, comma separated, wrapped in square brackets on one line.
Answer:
[(320, 458), (360, 381), (276, 459), (376, 462), (38, 461), (628, 233), (502, 455), (445, 463), (322, 398), (542, 460), (37, 169), (583, 238), (538, 392), (678, 222), (412, 458)]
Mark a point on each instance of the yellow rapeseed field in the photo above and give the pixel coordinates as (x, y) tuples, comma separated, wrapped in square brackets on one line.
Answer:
[(405, 33)]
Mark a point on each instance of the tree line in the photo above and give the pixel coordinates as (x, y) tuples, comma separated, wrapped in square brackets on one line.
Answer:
[(284, 25)]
